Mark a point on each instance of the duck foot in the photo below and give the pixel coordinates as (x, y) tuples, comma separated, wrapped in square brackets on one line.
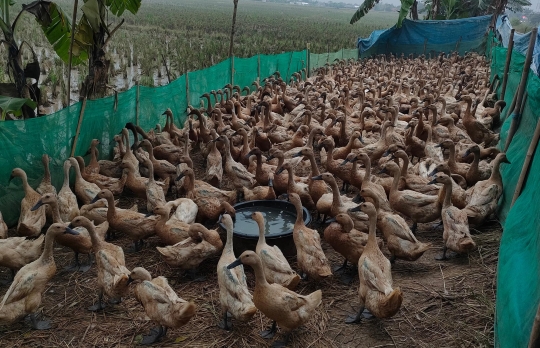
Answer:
[(346, 277), (115, 301), (194, 276), (303, 276), (225, 323), (155, 335), (270, 332), (74, 266), (97, 307), (282, 343), (357, 199), (367, 314), (110, 236), (137, 246), (43, 324), (341, 268)]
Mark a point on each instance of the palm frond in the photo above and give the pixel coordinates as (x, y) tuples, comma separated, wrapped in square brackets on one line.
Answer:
[(366, 6)]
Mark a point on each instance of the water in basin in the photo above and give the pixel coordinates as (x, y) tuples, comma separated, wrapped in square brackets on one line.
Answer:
[(277, 221)]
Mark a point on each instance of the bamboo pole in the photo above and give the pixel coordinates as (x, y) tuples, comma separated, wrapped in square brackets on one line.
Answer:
[(187, 87), (232, 70), (166, 67), (534, 341), (521, 89), (457, 44), (233, 27), (73, 26), (81, 116), (137, 107), (527, 162), (308, 63), (507, 63)]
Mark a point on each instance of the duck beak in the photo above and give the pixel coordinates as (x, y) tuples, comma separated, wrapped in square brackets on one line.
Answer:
[(96, 198), (270, 183), (505, 161), (433, 172), (438, 145), (297, 154), (434, 181), (269, 158), (358, 199), (70, 225), (318, 177), (361, 140), (386, 153), (357, 208), (383, 171), (467, 153), (148, 214), (71, 231), (11, 178), (331, 220), (236, 263), (87, 152), (345, 161), (130, 280), (179, 177), (36, 207)]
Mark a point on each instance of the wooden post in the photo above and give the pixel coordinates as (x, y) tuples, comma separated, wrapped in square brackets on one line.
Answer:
[(187, 88), (507, 64), (137, 107), (232, 30), (259, 68), (166, 68), (73, 26), (81, 116), (521, 89), (232, 70), (527, 162), (457, 44), (308, 63), (534, 340)]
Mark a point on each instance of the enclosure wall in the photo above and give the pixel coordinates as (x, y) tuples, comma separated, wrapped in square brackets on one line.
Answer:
[(25, 141)]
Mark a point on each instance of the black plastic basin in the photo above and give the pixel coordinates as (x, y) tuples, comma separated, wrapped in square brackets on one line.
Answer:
[(280, 218)]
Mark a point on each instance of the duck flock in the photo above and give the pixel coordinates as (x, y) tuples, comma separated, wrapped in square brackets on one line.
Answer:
[(409, 140)]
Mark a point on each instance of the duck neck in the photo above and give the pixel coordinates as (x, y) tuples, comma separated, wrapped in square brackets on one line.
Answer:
[(433, 109), (314, 168), (227, 147), (299, 214), (452, 155), (372, 238), (468, 109), (330, 153), (447, 194), (405, 168), (475, 162), (260, 278), (367, 163), (281, 160), (262, 238), (78, 175), (47, 173), (189, 184), (310, 138), (111, 211), (259, 169), (495, 173), (125, 135), (67, 165), (55, 212), (245, 141), (290, 183), (347, 225), (336, 197), (150, 151), (395, 183), (229, 243), (443, 108), (47, 254), (94, 154)]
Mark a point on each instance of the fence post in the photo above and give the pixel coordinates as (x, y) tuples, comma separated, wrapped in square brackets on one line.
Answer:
[(232, 70), (137, 110), (259, 68), (507, 64), (81, 115), (526, 163), (308, 63), (187, 88), (457, 44), (521, 90)]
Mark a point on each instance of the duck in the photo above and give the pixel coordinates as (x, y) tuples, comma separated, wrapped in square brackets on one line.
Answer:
[(411, 181), (262, 170), (456, 134), (162, 169), (477, 131), (234, 295), (286, 308), (67, 201), (186, 210), (105, 167), (25, 293), (276, 267), (95, 212), (115, 185), (281, 181), (376, 292), (46, 186), (135, 225), (137, 184), (188, 254), (455, 167), (161, 304), (345, 239), (334, 166), (460, 196), (80, 244), (367, 182), (317, 188), (214, 164), (129, 156), (456, 234), (310, 256), (207, 197), (301, 189), (400, 240), (112, 274), (16, 252), (30, 222), (485, 194), (237, 172), (169, 231), (261, 192), (3, 227), (417, 206), (476, 172), (93, 166), (155, 191), (342, 152), (84, 190)]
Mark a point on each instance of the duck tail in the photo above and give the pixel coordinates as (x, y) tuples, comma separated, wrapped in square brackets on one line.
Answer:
[(315, 298), (186, 310), (391, 303), (467, 244)]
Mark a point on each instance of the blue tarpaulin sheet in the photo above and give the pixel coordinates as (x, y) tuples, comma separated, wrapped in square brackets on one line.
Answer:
[(521, 41), (418, 37)]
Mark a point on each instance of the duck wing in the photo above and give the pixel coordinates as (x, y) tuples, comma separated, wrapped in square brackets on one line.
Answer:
[(374, 276)]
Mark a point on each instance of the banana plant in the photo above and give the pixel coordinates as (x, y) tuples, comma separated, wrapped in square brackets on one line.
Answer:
[(367, 5)]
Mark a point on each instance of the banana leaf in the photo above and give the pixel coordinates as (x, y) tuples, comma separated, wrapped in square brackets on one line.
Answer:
[(366, 6), (404, 10), (117, 7), (14, 105), (57, 29)]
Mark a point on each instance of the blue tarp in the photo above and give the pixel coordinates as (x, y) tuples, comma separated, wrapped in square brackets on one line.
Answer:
[(521, 41), (466, 34)]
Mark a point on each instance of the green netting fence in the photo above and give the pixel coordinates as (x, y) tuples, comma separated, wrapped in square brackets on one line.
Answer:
[(518, 277), (24, 142), (319, 60)]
